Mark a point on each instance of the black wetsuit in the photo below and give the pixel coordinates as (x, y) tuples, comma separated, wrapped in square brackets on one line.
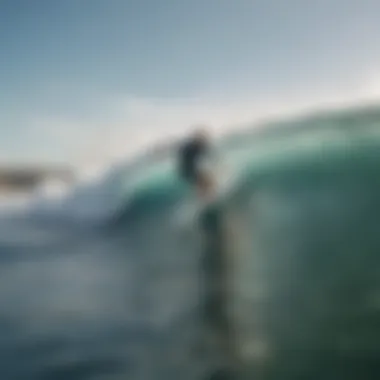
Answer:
[(189, 155)]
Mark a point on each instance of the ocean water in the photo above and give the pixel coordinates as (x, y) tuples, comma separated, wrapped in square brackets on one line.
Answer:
[(104, 283)]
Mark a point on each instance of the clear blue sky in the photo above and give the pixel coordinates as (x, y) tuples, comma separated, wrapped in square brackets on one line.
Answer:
[(76, 72)]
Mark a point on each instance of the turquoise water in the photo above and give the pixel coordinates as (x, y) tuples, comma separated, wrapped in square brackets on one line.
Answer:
[(122, 300), (306, 279)]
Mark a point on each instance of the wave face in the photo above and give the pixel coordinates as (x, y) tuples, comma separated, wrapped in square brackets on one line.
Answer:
[(121, 299)]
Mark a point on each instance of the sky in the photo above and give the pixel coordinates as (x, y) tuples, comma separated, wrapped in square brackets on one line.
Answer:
[(85, 81)]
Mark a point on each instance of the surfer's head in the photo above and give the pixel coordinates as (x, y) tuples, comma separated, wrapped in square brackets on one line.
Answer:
[(201, 133)]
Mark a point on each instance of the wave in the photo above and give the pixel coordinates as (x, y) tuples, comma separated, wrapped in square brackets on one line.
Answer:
[(314, 141), (305, 198), (127, 190)]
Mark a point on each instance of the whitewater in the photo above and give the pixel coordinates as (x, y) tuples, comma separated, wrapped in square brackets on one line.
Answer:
[(100, 282)]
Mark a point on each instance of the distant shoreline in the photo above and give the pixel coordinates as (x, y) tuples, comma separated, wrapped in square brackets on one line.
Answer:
[(16, 179)]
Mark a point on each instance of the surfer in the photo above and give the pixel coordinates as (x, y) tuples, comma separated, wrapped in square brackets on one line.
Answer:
[(194, 164)]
